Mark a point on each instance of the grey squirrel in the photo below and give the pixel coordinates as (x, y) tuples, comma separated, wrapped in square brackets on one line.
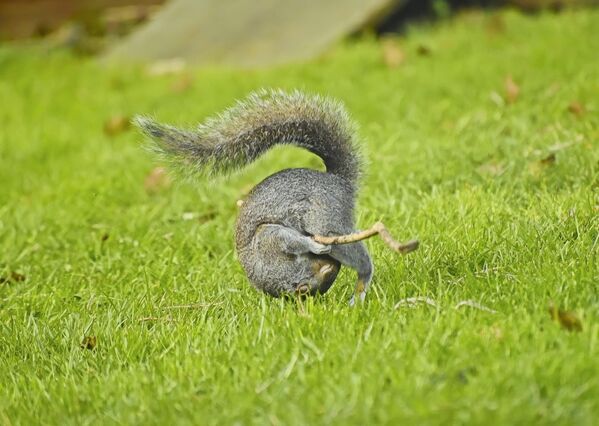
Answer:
[(278, 221)]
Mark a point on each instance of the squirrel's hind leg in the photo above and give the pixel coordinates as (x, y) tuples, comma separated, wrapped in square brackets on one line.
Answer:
[(355, 255), (294, 242)]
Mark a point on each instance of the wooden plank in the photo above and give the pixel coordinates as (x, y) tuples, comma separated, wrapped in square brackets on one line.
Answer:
[(248, 33)]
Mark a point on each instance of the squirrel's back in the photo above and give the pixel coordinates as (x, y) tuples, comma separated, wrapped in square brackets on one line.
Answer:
[(313, 202)]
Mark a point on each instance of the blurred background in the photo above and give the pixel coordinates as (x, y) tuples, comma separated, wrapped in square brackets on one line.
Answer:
[(244, 33)]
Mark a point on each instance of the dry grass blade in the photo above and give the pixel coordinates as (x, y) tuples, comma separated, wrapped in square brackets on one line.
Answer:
[(475, 305), (194, 306), (377, 228), (411, 302), (146, 319)]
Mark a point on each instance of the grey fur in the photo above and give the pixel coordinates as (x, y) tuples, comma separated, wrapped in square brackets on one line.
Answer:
[(278, 218)]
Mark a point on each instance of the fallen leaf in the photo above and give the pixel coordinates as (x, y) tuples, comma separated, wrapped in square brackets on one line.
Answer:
[(495, 24), (550, 159), (567, 319), (576, 108), (202, 218), (157, 180), (412, 302), (423, 50), (182, 84), (117, 124), (89, 343), (475, 305), (14, 277), (512, 90), (393, 55), (207, 217)]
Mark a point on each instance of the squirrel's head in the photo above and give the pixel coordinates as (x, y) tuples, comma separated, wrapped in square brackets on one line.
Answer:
[(322, 273)]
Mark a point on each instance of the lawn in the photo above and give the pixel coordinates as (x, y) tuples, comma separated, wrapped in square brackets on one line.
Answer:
[(122, 302)]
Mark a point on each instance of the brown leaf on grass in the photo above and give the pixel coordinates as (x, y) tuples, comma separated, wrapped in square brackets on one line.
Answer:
[(89, 343), (548, 160), (576, 108), (14, 277), (423, 50), (117, 124), (567, 319), (495, 24), (17, 277), (207, 217), (393, 55), (157, 180), (512, 90), (182, 84), (202, 218), (537, 167)]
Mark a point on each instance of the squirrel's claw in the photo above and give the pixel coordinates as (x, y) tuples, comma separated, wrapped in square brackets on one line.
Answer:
[(360, 292), (361, 298)]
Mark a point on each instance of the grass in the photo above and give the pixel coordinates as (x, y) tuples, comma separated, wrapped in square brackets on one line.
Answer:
[(86, 251)]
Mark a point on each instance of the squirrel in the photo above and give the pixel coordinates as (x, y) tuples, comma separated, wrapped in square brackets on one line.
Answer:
[(281, 215)]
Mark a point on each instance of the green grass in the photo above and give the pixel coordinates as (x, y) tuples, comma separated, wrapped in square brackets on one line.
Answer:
[(450, 163)]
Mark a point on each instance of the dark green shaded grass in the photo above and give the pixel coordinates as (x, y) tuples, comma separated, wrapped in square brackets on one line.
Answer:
[(450, 163)]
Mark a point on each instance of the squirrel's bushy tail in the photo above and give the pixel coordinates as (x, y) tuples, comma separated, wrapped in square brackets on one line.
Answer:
[(247, 130)]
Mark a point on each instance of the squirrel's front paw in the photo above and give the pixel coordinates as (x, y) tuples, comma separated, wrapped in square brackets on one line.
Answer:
[(318, 248)]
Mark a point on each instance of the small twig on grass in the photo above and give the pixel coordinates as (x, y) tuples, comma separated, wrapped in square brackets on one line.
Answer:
[(194, 305), (377, 228)]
